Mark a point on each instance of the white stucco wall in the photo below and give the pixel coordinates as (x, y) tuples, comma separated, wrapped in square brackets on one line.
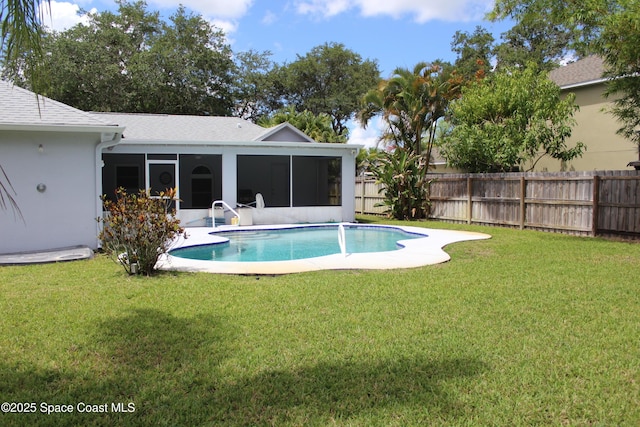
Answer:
[(64, 214)]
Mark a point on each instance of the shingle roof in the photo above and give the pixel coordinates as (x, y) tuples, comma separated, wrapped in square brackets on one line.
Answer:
[(585, 71), (182, 128), (21, 107)]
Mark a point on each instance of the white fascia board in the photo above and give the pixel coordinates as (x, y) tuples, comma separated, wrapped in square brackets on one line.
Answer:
[(582, 84), (106, 129), (248, 144)]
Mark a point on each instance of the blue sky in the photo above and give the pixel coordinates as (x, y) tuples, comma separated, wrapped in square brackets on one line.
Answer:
[(396, 33)]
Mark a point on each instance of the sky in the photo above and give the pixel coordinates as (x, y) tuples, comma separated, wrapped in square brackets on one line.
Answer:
[(395, 33)]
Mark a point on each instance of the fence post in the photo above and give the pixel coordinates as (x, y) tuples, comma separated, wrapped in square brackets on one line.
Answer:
[(595, 207), (469, 200), (363, 183), (523, 206)]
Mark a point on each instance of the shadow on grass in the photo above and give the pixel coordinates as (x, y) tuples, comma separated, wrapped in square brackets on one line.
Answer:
[(330, 392), (149, 358), (169, 368)]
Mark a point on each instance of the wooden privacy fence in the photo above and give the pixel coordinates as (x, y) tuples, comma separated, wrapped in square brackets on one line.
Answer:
[(583, 203)]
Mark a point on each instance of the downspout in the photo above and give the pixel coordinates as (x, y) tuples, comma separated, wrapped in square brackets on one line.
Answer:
[(107, 140)]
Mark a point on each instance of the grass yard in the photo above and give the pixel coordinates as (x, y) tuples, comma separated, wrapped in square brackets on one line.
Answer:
[(526, 328)]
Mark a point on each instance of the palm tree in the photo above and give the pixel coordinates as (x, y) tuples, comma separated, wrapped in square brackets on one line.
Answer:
[(20, 27), (411, 102), (20, 31)]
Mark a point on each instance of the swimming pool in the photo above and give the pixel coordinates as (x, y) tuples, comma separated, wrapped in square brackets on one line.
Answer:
[(296, 243), (418, 247)]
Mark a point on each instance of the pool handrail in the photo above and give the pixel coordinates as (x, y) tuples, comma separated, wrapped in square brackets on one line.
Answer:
[(342, 240), (224, 205)]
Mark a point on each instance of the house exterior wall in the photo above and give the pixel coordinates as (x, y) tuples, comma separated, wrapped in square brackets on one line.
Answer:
[(596, 128), (65, 213)]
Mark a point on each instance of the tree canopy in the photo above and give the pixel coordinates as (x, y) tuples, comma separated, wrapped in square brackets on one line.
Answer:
[(330, 79), (131, 61), (509, 120), (410, 104), (609, 28), (317, 127)]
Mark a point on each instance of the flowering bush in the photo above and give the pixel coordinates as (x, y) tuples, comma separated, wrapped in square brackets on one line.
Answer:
[(138, 228)]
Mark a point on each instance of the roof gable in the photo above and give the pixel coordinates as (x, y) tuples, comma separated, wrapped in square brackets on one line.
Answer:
[(583, 72), (24, 108), (284, 132)]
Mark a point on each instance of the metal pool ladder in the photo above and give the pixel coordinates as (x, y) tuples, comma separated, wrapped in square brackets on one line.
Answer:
[(234, 221)]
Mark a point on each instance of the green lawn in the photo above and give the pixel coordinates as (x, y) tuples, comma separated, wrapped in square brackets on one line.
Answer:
[(526, 328)]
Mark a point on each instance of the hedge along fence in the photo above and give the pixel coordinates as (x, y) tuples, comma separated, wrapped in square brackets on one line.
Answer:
[(582, 203)]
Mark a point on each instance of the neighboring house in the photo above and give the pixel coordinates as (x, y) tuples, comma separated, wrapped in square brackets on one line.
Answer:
[(60, 160), (596, 127), (51, 154)]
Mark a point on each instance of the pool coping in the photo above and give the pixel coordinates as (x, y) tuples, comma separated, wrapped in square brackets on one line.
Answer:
[(415, 253)]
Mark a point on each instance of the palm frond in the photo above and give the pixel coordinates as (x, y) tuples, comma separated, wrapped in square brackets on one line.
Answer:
[(6, 195)]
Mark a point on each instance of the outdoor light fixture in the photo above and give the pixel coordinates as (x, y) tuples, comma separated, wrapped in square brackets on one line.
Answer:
[(41, 188), (40, 148)]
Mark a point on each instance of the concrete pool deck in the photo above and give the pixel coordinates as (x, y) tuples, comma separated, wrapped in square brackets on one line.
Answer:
[(415, 253)]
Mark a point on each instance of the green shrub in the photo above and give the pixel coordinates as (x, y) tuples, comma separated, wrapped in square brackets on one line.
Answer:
[(138, 228), (405, 184)]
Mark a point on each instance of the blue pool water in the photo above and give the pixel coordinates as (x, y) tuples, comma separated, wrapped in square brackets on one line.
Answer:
[(296, 243)]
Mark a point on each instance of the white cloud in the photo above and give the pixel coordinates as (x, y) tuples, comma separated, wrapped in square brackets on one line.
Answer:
[(326, 8), (60, 16), (220, 9), (368, 137), (269, 18), (223, 14), (421, 10), (228, 27)]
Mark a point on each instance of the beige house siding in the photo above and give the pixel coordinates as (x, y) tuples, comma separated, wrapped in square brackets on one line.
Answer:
[(596, 128)]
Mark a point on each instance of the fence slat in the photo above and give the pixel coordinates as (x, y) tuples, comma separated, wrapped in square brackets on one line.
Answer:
[(584, 203)]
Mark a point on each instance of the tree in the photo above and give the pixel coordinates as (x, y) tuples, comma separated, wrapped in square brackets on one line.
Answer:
[(606, 27), (330, 79), (366, 160), (579, 21), (20, 27), (410, 103), (131, 61), (257, 91), (620, 45), (508, 120), (317, 127), (540, 42), (475, 52)]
